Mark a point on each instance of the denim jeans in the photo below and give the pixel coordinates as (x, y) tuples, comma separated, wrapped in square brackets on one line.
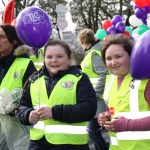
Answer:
[(96, 135)]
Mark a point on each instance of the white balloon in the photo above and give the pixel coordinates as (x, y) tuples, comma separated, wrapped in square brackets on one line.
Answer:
[(148, 23), (148, 17), (134, 21)]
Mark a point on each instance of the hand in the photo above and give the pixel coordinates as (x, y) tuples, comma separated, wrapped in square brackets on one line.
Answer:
[(103, 117), (45, 112), (34, 117), (109, 125)]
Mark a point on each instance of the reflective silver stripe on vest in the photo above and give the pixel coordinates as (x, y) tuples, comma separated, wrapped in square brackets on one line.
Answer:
[(39, 125), (94, 81), (65, 129), (106, 91), (38, 63), (113, 140), (134, 103), (134, 135), (131, 115)]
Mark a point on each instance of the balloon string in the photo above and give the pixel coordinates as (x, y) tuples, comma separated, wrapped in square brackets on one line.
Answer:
[(88, 129), (39, 80)]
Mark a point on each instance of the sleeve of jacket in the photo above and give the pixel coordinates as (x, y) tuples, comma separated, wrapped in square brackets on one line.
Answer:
[(85, 108), (100, 69), (25, 106), (29, 71)]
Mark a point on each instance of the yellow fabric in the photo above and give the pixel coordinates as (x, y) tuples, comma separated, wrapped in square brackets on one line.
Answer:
[(119, 101), (67, 85)]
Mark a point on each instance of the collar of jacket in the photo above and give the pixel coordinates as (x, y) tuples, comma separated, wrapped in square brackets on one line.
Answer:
[(91, 47)]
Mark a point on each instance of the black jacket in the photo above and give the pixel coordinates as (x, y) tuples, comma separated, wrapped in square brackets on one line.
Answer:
[(84, 110), (7, 61)]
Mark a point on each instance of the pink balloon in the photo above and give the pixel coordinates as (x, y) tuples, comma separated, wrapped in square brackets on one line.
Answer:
[(140, 57)]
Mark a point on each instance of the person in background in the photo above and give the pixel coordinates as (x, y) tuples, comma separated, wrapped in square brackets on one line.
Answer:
[(15, 69), (57, 102), (128, 99), (37, 56), (94, 67)]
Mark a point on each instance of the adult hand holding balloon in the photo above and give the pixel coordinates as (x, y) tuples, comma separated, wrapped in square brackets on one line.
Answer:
[(140, 57), (33, 26)]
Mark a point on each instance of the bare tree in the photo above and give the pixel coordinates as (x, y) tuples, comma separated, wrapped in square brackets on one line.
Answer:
[(91, 13)]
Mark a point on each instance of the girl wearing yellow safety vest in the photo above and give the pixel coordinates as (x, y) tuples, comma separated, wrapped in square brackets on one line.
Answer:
[(128, 100), (96, 70), (57, 102)]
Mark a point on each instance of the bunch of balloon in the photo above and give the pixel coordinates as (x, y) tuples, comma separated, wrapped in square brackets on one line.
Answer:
[(34, 27), (141, 17), (116, 26)]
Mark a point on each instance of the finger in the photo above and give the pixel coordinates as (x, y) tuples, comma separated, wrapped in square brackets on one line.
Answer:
[(109, 127), (119, 117)]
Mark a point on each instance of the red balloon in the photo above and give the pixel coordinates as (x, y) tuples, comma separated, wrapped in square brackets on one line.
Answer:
[(126, 33), (140, 3), (106, 24), (147, 2), (8, 12)]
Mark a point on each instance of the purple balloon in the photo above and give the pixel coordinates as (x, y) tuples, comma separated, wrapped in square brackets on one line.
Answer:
[(111, 30), (116, 19), (134, 7), (144, 22), (140, 13), (33, 27), (147, 8), (120, 27), (140, 57)]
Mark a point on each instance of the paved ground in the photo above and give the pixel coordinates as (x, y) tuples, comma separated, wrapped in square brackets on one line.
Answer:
[(91, 145)]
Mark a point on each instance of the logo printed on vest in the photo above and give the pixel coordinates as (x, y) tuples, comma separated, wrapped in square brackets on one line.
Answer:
[(67, 85), (112, 110), (17, 75)]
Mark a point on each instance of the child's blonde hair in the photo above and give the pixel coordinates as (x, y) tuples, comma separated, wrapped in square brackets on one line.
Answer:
[(86, 36)]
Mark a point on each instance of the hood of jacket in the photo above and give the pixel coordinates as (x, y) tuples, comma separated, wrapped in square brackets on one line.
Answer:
[(22, 51), (96, 45)]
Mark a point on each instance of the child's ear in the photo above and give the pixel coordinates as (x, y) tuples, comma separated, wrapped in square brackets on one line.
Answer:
[(15, 42)]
